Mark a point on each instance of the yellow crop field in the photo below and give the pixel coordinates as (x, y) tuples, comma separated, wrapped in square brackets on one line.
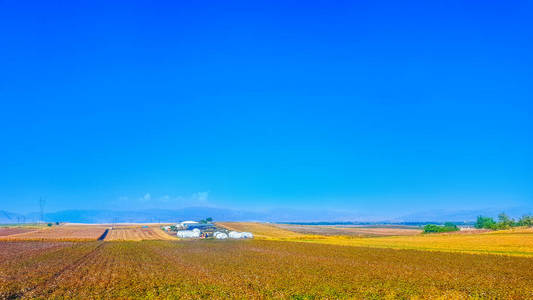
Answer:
[(517, 242), (361, 231), (261, 230)]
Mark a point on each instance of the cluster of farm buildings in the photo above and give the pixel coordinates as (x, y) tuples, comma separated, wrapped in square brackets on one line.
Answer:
[(193, 229)]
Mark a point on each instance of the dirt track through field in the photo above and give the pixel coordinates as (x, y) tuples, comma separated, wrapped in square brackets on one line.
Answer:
[(102, 237)]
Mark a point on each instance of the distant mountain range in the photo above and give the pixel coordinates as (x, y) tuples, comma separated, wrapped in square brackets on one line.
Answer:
[(274, 215)]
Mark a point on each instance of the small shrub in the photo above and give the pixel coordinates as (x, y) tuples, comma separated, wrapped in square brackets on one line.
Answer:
[(448, 227)]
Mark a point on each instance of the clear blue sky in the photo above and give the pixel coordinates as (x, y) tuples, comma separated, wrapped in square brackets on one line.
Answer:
[(383, 107)]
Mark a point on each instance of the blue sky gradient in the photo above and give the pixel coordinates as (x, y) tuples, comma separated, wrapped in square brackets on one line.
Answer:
[(379, 107)]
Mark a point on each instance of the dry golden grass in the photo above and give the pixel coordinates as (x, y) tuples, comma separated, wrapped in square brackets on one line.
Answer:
[(349, 230), (516, 242), (162, 235), (261, 230), (136, 233), (507, 243), (60, 233)]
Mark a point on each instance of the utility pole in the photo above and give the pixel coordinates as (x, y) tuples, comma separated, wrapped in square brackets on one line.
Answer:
[(42, 203)]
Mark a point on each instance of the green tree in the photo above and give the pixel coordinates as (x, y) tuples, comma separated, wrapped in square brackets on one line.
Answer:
[(504, 222), (485, 222), (450, 225), (526, 221)]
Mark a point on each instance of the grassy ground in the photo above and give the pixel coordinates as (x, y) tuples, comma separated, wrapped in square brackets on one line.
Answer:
[(253, 269)]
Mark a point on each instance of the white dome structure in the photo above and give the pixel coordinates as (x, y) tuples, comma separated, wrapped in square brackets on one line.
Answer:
[(220, 236), (188, 234), (247, 235), (240, 235), (235, 235)]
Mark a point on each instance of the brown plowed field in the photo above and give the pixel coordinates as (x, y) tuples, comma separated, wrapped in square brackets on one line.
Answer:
[(14, 230), (135, 233), (253, 269), (60, 233)]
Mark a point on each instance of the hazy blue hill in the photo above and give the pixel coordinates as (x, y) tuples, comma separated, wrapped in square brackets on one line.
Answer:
[(9, 217), (274, 215), (196, 213), (152, 215)]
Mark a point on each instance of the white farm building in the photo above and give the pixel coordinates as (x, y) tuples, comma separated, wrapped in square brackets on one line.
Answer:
[(240, 235), (195, 233), (220, 235)]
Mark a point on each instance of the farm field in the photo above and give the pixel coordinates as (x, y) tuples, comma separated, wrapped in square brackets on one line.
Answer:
[(349, 230), (59, 233), (252, 269), (137, 233), (5, 231), (261, 230), (517, 242)]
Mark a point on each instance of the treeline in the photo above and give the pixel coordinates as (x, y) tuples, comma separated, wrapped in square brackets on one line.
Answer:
[(504, 222), (448, 227)]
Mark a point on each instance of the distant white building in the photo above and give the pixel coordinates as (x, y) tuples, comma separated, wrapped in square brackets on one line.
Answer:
[(240, 235), (188, 233), (220, 235)]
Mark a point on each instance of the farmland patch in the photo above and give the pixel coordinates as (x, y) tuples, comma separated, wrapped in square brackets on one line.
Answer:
[(137, 233), (257, 269), (14, 230), (360, 231), (60, 233)]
